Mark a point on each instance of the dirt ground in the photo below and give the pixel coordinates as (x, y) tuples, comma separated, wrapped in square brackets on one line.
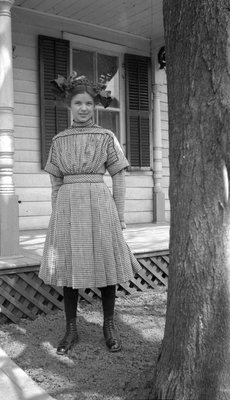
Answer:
[(90, 371)]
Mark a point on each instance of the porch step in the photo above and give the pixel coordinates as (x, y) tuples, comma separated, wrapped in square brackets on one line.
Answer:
[(16, 384)]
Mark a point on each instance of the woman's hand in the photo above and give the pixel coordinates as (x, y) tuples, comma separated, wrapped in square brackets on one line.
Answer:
[(123, 225)]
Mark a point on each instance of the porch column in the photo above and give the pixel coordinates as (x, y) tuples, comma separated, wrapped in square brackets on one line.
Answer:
[(158, 195), (9, 227)]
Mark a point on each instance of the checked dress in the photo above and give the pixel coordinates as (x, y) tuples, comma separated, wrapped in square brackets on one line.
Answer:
[(85, 246)]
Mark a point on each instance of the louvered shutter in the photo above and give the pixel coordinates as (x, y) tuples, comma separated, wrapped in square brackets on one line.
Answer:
[(138, 109), (53, 60)]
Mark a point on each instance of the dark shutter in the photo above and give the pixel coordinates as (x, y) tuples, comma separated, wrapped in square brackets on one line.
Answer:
[(53, 60), (138, 109)]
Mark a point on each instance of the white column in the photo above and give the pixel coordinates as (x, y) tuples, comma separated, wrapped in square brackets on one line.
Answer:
[(9, 230), (158, 195)]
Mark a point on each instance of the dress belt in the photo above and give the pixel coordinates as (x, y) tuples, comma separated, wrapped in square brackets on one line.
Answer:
[(83, 178)]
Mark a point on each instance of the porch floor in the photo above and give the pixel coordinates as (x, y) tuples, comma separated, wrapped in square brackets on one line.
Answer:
[(142, 238)]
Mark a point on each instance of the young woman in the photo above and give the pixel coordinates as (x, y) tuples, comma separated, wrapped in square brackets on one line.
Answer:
[(85, 246)]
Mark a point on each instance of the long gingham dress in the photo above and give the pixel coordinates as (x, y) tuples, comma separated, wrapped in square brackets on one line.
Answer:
[(85, 246)]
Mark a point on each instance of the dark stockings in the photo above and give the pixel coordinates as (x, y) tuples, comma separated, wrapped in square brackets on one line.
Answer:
[(70, 302), (108, 300)]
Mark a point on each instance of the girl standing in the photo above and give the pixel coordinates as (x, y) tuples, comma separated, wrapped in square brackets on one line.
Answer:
[(84, 245)]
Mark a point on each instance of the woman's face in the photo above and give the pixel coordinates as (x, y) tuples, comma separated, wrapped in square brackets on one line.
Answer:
[(82, 107)]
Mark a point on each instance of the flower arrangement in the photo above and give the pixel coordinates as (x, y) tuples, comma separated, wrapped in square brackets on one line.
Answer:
[(62, 86)]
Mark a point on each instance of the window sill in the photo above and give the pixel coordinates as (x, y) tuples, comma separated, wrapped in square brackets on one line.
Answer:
[(139, 170)]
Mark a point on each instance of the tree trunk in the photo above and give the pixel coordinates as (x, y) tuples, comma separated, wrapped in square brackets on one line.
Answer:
[(194, 360)]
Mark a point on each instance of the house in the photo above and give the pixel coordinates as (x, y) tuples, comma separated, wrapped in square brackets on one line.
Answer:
[(42, 38)]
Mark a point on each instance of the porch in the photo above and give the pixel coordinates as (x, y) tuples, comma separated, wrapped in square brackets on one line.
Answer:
[(23, 294), (141, 238)]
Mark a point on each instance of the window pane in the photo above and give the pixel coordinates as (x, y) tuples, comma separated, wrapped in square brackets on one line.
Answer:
[(109, 120), (83, 63), (109, 65)]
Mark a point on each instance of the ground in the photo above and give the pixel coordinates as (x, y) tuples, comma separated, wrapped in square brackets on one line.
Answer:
[(90, 371)]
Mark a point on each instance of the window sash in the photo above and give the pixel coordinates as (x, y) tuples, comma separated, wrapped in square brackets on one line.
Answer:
[(100, 63)]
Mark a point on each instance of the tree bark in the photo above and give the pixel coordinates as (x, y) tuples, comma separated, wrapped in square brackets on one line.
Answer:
[(194, 360)]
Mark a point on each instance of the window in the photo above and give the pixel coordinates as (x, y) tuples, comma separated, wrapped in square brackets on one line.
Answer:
[(93, 65), (54, 59)]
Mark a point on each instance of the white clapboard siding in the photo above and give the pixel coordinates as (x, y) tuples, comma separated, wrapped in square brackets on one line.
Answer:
[(165, 152), (164, 125), (24, 62), (25, 51), (165, 181), (30, 110), (32, 223), (27, 167), (165, 142), (27, 98), (137, 218), (139, 198), (164, 104), (164, 114), (23, 86), (138, 206), (28, 132), (31, 208), (20, 36), (32, 180), (35, 194), (31, 121), (137, 193), (19, 74), (165, 163), (27, 144), (164, 95), (164, 134), (166, 175), (139, 180), (25, 155)]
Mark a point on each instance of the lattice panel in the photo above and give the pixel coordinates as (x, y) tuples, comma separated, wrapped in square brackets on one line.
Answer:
[(24, 295), (154, 273)]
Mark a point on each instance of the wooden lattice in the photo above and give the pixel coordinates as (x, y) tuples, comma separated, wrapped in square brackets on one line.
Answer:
[(154, 273), (24, 295)]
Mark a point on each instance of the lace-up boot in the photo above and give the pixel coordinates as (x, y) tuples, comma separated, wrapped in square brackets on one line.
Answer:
[(70, 338), (111, 336)]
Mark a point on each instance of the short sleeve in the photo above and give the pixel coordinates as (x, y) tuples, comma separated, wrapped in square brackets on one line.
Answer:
[(116, 160), (52, 164)]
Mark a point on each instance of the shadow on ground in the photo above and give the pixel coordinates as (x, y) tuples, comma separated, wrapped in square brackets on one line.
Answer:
[(90, 372)]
